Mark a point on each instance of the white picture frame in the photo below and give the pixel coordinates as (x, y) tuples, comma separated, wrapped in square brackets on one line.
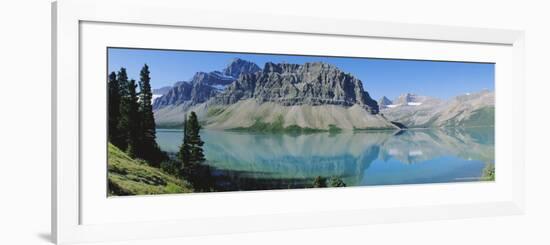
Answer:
[(67, 174)]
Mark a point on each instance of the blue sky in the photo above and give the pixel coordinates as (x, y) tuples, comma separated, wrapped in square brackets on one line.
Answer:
[(380, 77)]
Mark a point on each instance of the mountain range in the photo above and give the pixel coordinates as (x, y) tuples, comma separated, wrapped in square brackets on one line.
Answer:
[(469, 110), (313, 96), (203, 85)]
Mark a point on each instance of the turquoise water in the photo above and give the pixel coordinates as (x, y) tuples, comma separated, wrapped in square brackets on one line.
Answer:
[(252, 161)]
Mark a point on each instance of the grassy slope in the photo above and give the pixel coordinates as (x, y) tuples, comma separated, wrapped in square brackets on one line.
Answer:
[(481, 117), (127, 176)]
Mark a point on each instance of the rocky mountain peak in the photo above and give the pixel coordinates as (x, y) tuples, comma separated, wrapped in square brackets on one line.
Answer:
[(204, 85), (384, 102), (161, 90), (214, 78), (238, 66), (410, 99)]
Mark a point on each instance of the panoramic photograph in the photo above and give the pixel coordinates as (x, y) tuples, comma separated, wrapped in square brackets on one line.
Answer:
[(201, 121)]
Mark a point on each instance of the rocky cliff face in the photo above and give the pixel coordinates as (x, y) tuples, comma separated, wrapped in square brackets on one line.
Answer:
[(204, 85), (159, 92), (291, 84), (179, 93)]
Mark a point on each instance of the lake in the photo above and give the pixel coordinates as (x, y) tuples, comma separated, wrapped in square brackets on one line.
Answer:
[(258, 161)]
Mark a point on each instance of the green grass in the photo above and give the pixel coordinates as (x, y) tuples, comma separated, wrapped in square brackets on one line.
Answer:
[(489, 172), (277, 127), (127, 176), (334, 129), (214, 111)]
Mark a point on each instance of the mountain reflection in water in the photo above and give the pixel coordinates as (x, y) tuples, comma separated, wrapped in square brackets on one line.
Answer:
[(259, 161)]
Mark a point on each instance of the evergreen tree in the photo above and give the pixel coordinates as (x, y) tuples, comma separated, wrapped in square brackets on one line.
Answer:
[(196, 156), (128, 124), (114, 110), (123, 124), (337, 182), (149, 147), (134, 137), (192, 157), (319, 182), (184, 152)]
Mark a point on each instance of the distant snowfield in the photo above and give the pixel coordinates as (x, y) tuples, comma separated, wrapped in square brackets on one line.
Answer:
[(219, 87), (156, 96), (410, 104), (416, 153)]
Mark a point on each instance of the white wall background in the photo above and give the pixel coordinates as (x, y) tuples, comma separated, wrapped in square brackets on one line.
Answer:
[(25, 122)]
